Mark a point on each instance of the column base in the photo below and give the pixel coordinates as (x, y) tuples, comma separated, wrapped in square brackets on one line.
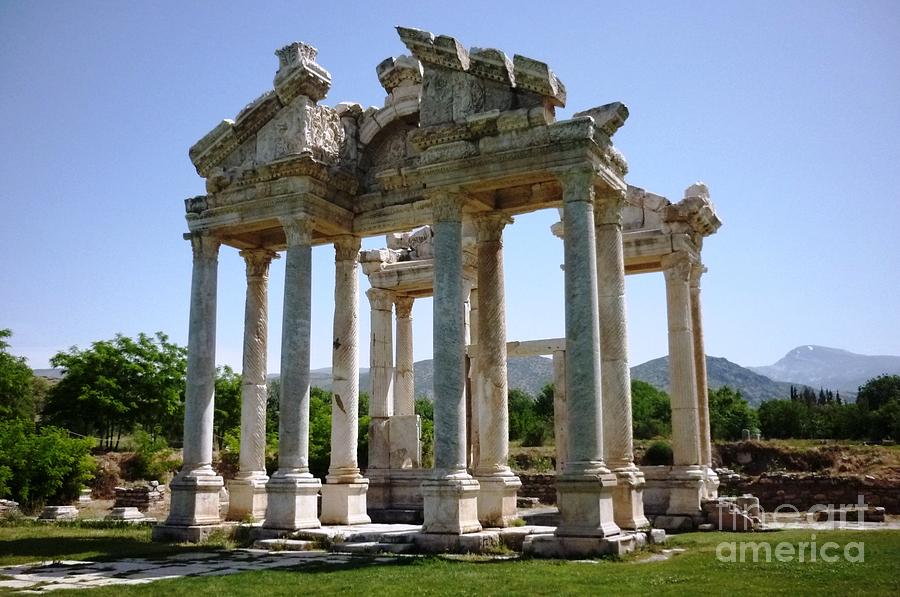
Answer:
[(497, 500), (293, 502), (405, 448), (628, 499), (451, 506), (586, 505), (711, 484), (195, 500), (686, 484), (248, 497), (345, 503)]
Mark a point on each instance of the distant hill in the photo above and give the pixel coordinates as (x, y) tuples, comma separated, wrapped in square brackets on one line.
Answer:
[(820, 366), (720, 372), (48, 373)]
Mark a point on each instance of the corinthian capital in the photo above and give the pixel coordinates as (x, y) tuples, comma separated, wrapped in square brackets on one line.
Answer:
[(258, 261), (204, 245), (697, 270), (346, 248), (490, 227), (677, 266), (380, 299), (297, 230), (608, 206), (446, 206), (404, 305), (577, 183)]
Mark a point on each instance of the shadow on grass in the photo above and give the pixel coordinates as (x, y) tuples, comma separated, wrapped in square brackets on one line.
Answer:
[(100, 548)]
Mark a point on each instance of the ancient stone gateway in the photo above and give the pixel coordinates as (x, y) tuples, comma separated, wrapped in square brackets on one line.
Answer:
[(466, 140)]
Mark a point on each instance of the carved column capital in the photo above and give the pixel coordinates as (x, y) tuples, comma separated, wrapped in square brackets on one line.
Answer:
[(346, 248), (257, 262), (490, 227), (204, 245), (677, 266), (297, 230), (577, 183), (404, 305), (608, 205), (446, 206), (380, 299), (697, 270)]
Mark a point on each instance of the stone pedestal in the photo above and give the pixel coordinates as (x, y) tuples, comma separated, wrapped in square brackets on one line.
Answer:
[(345, 503), (628, 498), (406, 450), (194, 509), (451, 506), (497, 506), (247, 497), (293, 502), (586, 506), (686, 489)]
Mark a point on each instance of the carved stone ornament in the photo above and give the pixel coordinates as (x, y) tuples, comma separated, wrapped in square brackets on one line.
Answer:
[(490, 227), (204, 246), (404, 305), (297, 231), (577, 183), (346, 248), (446, 206), (677, 266), (258, 261), (380, 299), (608, 206), (697, 270)]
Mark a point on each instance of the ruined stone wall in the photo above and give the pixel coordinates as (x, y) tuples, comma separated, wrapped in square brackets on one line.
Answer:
[(142, 498), (539, 485), (803, 490)]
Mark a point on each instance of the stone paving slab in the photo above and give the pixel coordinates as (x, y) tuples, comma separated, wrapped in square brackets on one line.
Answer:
[(41, 577)]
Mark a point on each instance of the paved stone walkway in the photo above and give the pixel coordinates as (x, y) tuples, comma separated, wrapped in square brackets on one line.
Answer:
[(73, 574)]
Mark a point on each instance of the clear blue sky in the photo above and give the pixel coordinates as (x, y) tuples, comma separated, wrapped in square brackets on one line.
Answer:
[(789, 111)]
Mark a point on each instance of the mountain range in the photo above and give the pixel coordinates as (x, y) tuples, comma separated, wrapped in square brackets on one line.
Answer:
[(808, 365), (833, 368)]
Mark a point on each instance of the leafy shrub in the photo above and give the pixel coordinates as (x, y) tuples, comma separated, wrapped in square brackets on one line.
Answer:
[(152, 460), (658, 453), (42, 466), (536, 434)]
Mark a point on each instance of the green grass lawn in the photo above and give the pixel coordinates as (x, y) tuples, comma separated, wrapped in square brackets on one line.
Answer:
[(697, 571)]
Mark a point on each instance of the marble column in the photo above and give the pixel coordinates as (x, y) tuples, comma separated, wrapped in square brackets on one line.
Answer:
[(473, 381), (292, 490), (451, 495), (344, 492), (195, 489), (711, 480), (618, 446), (497, 497), (381, 372), (686, 478), (405, 426), (247, 499), (586, 485)]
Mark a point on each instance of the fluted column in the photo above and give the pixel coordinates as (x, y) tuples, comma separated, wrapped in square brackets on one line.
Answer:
[(497, 498), (405, 425), (247, 490), (711, 480), (451, 495), (293, 501), (344, 493), (195, 490), (618, 446), (585, 486), (686, 478), (381, 359)]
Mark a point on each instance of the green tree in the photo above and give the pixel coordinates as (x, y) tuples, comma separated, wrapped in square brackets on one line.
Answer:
[(17, 384), (425, 409), (729, 414), (117, 384), (227, 418), (878, 391), (783, 418), (651, 411), (543, 404)]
